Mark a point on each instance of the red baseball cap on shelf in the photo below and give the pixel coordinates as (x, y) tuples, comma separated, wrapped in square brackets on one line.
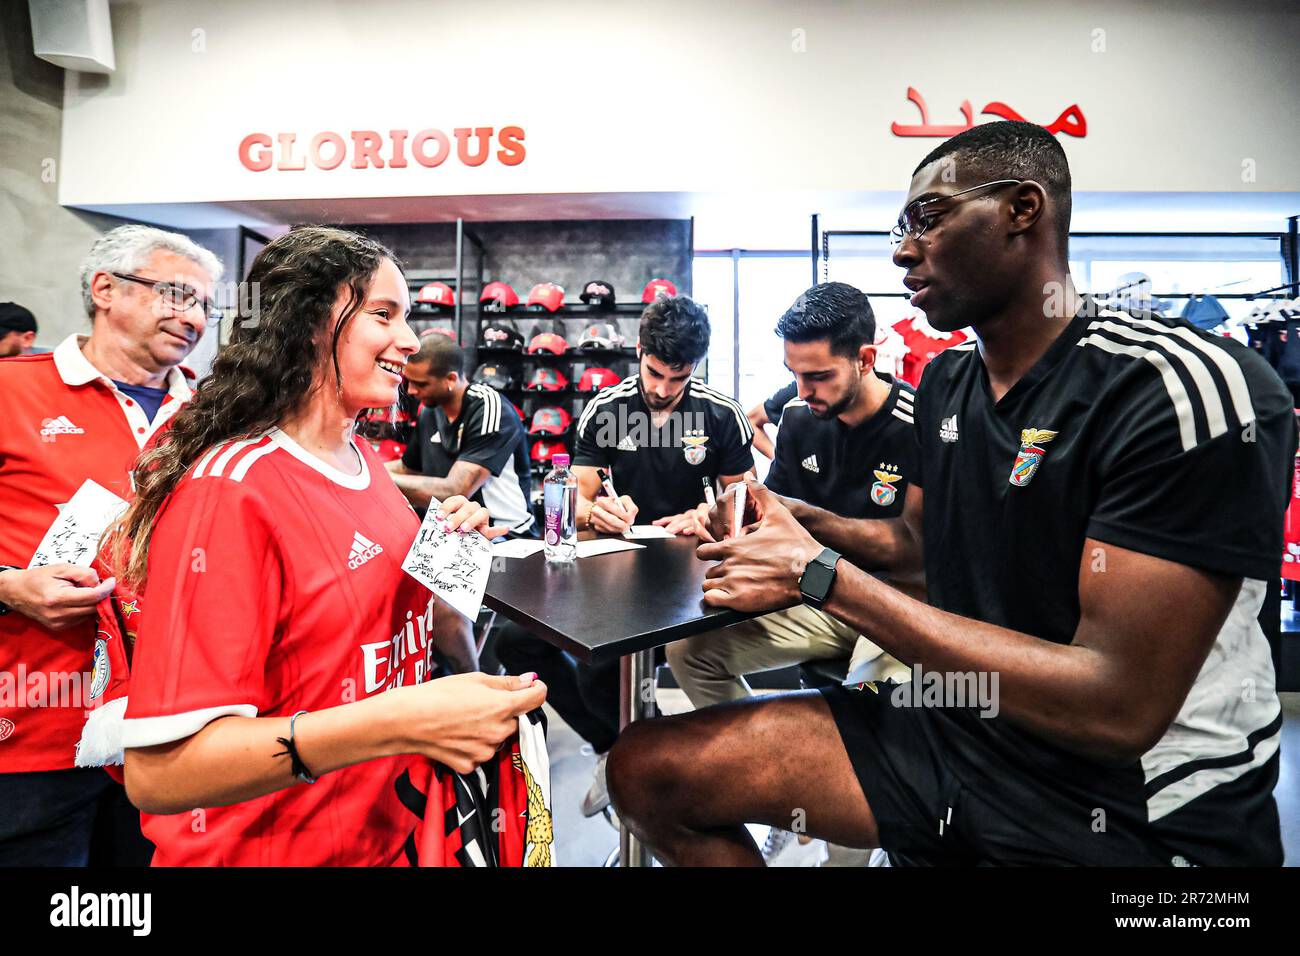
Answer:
[(550, 420), (548, 295), (546, 380), (594, 379), (548, 342), (547, 448), (658, 289), (498, 297), (439, 330), (436, 293)]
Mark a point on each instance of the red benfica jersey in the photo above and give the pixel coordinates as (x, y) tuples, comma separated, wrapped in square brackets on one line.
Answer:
[(275, 585), (921, 349), (64, 423)]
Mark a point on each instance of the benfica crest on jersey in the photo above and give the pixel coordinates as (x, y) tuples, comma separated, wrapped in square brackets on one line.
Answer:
[(883, 491), (694, 450), (101, 668), (1030, 456)]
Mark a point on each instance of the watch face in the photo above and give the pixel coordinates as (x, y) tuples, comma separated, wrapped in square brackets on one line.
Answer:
[(815, 582)]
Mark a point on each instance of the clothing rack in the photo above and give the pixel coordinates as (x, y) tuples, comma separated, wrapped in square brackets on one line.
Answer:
[(1292, 287)]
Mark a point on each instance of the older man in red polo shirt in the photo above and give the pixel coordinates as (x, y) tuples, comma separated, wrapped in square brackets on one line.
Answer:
[(80, 413)]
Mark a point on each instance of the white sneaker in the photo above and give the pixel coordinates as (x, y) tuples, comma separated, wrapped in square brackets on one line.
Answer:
[(783, 848), (597, 798)]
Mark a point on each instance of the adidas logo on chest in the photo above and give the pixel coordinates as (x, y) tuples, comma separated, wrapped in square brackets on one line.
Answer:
[(61, 425), (810, 463), (363, 549), (948, 429)]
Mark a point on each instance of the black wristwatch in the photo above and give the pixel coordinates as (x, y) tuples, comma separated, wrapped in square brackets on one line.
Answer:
[(818, 578), (5, 608)]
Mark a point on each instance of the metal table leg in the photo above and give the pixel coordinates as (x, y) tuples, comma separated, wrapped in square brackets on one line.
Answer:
[(636, 702)]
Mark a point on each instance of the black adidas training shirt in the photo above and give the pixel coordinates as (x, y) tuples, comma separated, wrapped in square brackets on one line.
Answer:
[(662, 469), (860, 472), (488, 433), (1144, 433)]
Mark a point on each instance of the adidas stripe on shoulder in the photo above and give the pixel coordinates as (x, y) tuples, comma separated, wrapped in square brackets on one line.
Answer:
[(232, 459), (491, 399), (1219, 395), (623, 389), (905, 407), (710, 394)]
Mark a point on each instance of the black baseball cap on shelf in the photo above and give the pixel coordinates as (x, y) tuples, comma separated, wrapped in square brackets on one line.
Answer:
[(598, 294), (498, 376), (502, 334), (15, 318)]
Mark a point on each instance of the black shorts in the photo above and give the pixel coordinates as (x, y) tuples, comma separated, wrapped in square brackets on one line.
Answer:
[(942, 794)]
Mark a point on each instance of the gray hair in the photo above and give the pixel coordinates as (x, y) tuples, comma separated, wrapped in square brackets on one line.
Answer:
[(128, 248)]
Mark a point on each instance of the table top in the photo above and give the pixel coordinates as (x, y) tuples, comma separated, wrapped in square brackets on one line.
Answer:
[(608, 605)]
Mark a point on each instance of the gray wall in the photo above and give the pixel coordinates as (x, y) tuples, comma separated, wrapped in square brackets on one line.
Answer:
[(628, 253), (41, 242)]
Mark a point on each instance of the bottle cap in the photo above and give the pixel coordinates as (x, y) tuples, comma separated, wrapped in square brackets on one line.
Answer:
[(560, 460)]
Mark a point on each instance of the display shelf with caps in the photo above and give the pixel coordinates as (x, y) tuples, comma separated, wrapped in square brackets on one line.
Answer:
[(571, 355), (590, 345)]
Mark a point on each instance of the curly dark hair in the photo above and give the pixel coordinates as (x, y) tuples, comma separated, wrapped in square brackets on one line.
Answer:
[(675, 330), (265, 373), (830, 310)]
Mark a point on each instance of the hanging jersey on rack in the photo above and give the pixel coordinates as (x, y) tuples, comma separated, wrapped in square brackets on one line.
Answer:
[(890, 352), (1291, 529), (923, 344)]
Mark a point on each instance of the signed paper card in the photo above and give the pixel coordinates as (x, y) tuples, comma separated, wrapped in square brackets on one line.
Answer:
[(74, 536), (517, 548), (589, 549), (452, 565), (646, 531)]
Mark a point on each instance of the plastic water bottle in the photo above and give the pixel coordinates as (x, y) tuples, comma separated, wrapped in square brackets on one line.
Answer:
[(560, 500)]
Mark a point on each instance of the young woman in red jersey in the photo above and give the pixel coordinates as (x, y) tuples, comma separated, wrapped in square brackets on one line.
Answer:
[(277, 684)]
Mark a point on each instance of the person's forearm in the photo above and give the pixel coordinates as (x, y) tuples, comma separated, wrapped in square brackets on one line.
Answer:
[(877, 544), (453, 636), (421, 490), (234, 759), (7, 580), (1059, 692), (763, 444)]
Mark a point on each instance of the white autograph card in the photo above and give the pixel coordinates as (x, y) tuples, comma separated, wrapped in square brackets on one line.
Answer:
[(74, 536), (452, 565)]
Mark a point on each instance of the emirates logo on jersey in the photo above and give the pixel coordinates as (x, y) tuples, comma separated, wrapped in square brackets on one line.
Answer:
[(363, 549), (6, 728)]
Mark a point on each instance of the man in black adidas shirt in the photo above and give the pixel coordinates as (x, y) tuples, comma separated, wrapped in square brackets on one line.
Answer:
[(468, 440), (845, 445), (1103, 501), (661, 433)]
